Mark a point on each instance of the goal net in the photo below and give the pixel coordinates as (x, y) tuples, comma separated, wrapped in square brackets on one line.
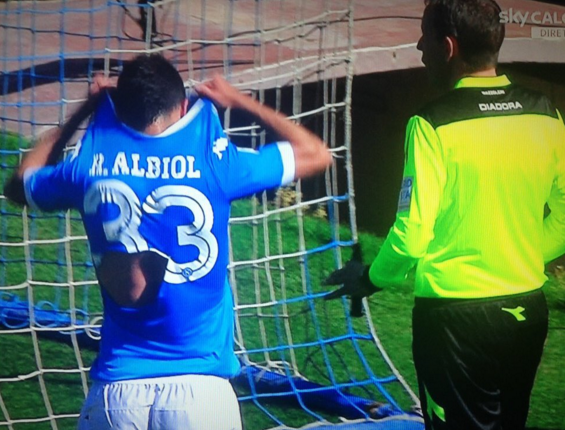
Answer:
[(306, 361)]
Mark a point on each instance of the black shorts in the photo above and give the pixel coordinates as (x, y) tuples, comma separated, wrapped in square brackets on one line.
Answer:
[(476, 360)]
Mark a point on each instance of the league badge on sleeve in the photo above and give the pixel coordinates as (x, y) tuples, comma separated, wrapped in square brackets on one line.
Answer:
[(405, 194)]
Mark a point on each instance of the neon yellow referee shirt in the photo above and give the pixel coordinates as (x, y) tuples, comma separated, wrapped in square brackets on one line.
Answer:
[(481, 163)]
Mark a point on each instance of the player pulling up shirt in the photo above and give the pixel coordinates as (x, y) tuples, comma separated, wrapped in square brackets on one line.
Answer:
[(153, 181)]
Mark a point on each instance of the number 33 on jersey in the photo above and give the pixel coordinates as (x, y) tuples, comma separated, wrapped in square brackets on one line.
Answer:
[(125, 227)]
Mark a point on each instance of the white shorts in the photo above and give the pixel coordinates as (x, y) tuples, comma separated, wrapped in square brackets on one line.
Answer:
[(187, 402)]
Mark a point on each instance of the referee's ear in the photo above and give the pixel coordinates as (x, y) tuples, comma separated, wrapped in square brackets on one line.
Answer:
[(451, 48), (14, 190)]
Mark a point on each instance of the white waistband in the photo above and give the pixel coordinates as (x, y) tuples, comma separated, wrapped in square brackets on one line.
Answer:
[(177, 379)]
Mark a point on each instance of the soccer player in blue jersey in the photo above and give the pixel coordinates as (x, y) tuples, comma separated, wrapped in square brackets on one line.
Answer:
[(153, 179)]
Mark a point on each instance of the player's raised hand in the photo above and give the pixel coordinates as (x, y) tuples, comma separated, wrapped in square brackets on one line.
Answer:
[(354, 280), (100, 83), (220, 92)]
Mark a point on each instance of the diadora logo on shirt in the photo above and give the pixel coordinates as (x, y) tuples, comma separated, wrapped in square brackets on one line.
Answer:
[(486, 107)]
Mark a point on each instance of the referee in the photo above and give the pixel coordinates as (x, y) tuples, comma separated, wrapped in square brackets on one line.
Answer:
[(481, 163)]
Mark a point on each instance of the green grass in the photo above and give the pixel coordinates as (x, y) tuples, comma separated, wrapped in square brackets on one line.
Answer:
[(391, 315), (307, 320)]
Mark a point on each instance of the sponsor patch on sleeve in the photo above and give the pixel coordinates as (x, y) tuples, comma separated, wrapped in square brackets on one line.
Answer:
[(405, 194)]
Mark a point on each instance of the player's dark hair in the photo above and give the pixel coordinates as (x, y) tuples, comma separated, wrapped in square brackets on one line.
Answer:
[(149, 86), (476, 25)]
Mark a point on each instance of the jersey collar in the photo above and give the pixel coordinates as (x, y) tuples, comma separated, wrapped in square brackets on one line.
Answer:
[(184, 121), (483, 82), (193, 110)]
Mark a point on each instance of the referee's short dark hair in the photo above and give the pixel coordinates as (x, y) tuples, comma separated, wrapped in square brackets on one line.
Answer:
[(149, 86), (477, 26)]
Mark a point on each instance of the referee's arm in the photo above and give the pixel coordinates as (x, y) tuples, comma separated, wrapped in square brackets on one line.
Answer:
[(554, 223), (419, 202)]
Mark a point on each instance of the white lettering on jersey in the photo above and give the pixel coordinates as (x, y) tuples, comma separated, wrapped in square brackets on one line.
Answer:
[(220, 146), (191, 173), (125, 228), (120, 165), (198, 234), (484, 107), (97, 168), (166, 164), (493, 92), (153, 167), (179, 167), (136, 171)]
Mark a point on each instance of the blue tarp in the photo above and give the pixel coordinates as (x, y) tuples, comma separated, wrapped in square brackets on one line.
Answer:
[(386, 424)]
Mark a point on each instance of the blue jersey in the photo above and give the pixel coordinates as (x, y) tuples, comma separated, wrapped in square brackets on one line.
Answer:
[(169, 194)]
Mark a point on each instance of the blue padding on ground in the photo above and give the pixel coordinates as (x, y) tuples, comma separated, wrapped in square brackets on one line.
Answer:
[(330, 399), (312, 395), (387, 424), (14, 314)]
